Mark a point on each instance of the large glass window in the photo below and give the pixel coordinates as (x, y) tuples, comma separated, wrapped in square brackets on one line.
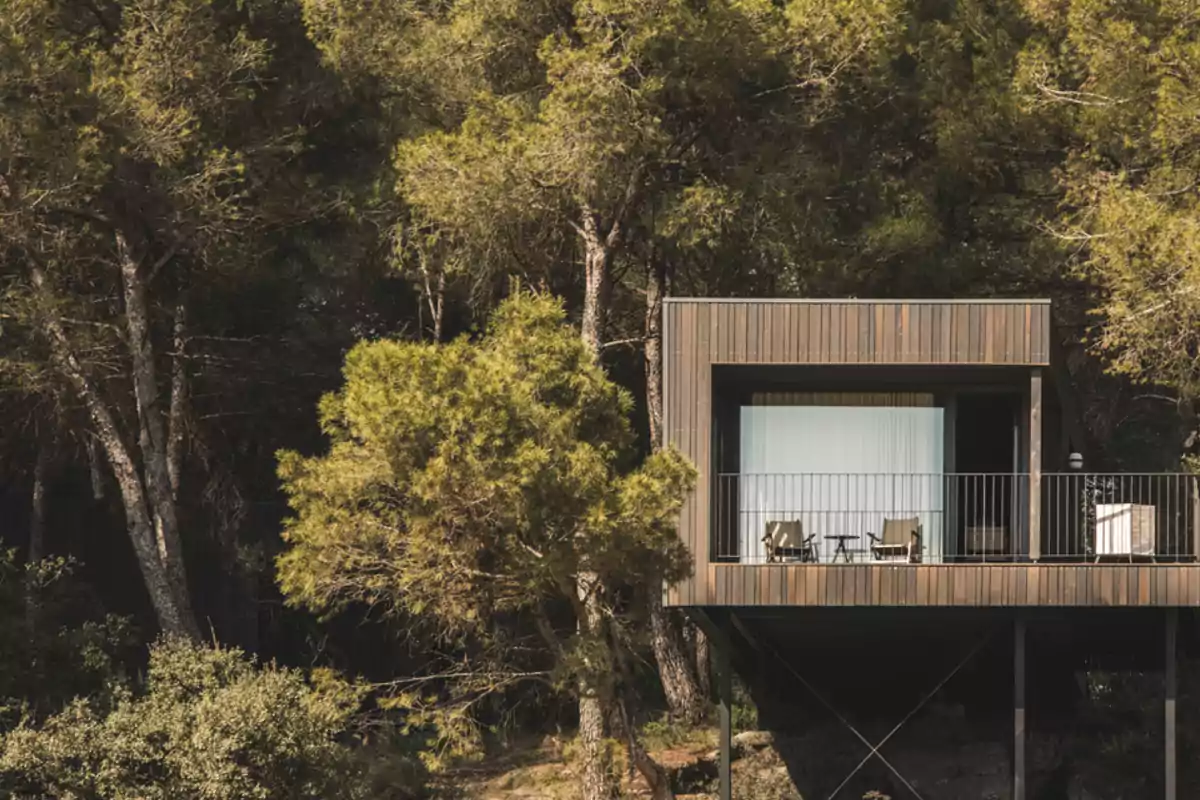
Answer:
[(841, 469)]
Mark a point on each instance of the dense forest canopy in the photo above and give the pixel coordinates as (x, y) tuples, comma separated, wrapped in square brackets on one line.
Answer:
[(457, 222)]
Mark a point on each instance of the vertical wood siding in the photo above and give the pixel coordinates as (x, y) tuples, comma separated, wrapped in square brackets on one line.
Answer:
[(700, 333), (962, 585)]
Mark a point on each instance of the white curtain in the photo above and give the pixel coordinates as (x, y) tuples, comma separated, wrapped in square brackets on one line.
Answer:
[(840, 470)]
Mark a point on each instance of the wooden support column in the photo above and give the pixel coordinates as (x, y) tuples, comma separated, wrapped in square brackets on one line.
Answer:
[(1019, 709), (1170, 678), (724, 712), (1035, 464)]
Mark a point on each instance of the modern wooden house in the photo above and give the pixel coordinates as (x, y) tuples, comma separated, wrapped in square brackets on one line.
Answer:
[(899, 462)]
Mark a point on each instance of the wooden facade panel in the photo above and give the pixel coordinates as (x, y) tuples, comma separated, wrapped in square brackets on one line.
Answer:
[(947, 585), (698, 334)]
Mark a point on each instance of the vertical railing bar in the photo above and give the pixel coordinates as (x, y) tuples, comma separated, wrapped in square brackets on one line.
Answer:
[(747, 516), (1049, 495), (737, 517), (1158, 489), (743, 517), (844, 494), (722, 525), (989, 500), (780, 496), (736, 514), (1157, 515), (758, 519)]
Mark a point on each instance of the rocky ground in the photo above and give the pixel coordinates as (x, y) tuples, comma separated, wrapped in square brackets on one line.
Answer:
[(542, 772)]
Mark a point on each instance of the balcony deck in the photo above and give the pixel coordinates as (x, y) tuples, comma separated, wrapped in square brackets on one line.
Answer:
[(1103, 540), (954, 585)]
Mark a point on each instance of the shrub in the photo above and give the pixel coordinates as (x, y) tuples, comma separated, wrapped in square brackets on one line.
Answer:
[(209, 724)]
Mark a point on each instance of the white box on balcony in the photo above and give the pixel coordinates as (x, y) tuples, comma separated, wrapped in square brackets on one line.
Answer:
[(1124, 529)]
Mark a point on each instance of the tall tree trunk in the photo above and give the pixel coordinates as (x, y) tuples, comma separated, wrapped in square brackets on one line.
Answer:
[(174, 619), (94, 470), (435, 294), (179, 386), (439, 307), (674, 670), (597, 259), (37, 528), (152, 439), (37, 504), (657, 779), (656, 290), (703, 661), (683, 693), (599, 782)]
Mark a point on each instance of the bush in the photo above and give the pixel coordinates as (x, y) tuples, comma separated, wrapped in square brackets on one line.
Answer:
[(54, 645), (209, 724)]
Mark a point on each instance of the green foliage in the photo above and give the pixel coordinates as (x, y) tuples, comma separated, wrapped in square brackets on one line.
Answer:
[(1117, 83), (208, 723), (470, 482), (468, 479), (743, 710), (815, 147), (543, 127), (52, 647)]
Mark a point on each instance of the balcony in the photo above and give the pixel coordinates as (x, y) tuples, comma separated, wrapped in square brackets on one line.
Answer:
[(839, 518)]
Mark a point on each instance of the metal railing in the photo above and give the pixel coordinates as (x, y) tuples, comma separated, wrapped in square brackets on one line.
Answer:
[(828, 518), (1120, 517), (841, 518)]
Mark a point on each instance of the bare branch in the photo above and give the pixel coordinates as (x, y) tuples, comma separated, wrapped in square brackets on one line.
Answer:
[(623, 342)]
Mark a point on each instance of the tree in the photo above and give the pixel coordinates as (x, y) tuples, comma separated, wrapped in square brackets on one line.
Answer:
[(1119, 87), (468, 486), (157, 174), (547, 133), (110, 175)]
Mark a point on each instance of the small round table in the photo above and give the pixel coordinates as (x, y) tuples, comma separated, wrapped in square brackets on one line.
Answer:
[(841, 539)]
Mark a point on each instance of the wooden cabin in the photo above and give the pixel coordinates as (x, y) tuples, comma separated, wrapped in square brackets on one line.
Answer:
[(860, 456)]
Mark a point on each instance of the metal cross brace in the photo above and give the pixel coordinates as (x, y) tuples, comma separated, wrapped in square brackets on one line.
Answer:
[(874, 748)]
